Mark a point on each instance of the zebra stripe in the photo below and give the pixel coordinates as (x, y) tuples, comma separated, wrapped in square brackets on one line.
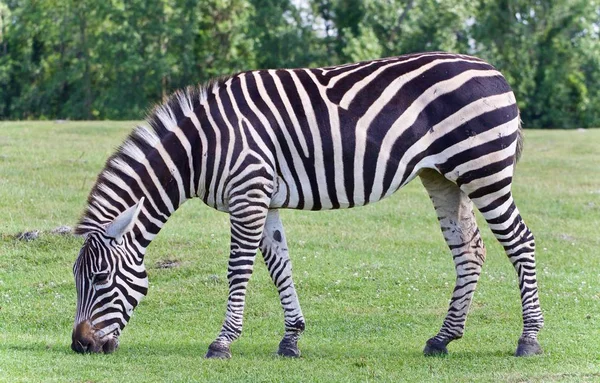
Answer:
[(311, 139)]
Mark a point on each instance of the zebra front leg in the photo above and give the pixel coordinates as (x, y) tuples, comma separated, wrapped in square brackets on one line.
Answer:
[(457, 221), (247, 218), (275, 253)]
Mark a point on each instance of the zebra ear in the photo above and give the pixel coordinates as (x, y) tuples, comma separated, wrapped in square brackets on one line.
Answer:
[(124, 222)]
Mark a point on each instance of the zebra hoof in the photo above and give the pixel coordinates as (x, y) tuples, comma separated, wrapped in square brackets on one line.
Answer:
[(528, 346), (288, 348), (434, 347), (218, 350)]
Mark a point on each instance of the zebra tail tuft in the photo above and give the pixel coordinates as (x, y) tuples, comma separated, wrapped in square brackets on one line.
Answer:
[(520, 139)]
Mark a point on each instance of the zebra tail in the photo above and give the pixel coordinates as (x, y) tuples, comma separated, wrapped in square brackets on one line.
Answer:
[(520, 139)]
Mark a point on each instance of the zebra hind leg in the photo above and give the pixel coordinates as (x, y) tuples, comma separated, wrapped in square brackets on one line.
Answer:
[(247, 218), (275, 253), (498, 208), (457, 221)]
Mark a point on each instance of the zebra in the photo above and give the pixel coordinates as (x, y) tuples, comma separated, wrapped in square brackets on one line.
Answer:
[(311, 139)]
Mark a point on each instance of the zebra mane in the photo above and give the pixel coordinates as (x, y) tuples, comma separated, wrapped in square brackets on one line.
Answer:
[(161, 121)]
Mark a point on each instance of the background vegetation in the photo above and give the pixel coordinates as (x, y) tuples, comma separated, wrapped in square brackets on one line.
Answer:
[(89, 59), (374, 282)]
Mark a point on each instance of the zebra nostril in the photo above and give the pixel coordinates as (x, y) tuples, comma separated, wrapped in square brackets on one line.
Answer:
[(79, 346), (82, 338), (82, 345)]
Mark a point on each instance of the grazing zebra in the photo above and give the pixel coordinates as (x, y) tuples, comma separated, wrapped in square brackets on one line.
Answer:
[(312, 139)]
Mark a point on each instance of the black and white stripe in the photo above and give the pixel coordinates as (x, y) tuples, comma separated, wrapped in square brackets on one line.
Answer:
[(318, 139)]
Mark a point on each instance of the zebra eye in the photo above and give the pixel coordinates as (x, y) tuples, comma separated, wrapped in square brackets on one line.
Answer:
[(101, 278)]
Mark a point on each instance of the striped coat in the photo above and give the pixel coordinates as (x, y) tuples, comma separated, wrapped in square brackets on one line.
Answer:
[(312, 139)]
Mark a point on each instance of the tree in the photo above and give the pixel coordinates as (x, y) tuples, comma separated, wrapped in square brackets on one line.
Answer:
[(86, 59), (547, 51), (282, 37)]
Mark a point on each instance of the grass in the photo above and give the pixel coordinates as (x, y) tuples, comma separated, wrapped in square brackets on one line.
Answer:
[(373, 282)]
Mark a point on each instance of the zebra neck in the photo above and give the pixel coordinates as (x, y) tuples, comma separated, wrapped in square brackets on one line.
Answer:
[(172, 160), (100, 213), (137, 170)]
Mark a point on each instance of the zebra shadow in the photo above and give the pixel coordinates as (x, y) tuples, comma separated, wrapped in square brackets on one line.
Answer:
[(257, 351)]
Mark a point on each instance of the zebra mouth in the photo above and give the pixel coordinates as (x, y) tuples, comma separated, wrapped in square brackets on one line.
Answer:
[(111, 344), (108, 338), (106, 345), (86, 339)]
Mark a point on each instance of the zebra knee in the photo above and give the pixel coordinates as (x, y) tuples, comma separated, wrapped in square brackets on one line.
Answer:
[(478, 247), (468, 250)]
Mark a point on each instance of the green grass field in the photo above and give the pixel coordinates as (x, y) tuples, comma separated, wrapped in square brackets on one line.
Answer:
[(374, 282)]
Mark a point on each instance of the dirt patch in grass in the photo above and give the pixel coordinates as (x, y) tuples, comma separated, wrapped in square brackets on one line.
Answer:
[(32, 235), (168, 264), (28, 236)]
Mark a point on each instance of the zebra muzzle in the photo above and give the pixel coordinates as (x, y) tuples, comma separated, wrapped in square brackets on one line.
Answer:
[(86, 339)]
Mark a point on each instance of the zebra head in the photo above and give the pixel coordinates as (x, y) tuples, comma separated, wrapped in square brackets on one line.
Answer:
[(111, 280)]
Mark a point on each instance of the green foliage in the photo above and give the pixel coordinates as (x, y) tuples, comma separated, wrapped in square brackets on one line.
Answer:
[(373, 282), (114, 59), (549, 51), (282, 38), (364, 46)]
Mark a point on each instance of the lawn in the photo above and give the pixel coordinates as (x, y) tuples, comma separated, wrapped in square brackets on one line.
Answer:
[(373, 282)]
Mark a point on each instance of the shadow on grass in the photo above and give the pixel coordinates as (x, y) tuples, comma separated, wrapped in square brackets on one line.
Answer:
[(261, 351), (37, 347), (184, 349), (377, 353)]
